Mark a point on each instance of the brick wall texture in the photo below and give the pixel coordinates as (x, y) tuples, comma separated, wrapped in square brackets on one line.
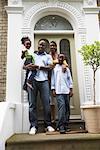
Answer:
[(3, 48)]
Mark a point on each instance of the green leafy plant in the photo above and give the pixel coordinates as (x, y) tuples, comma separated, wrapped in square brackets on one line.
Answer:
[(91, 56)]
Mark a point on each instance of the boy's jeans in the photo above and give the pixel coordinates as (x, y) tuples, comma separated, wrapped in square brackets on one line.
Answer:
[(63, 102)]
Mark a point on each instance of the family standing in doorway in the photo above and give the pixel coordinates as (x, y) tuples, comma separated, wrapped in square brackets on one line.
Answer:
[(39, 65)]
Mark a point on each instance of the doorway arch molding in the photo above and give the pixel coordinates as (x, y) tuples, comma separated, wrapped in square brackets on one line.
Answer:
[(76, 18), (45, 8)]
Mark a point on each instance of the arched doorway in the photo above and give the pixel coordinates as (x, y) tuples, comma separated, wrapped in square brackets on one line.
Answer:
[(58, 29)]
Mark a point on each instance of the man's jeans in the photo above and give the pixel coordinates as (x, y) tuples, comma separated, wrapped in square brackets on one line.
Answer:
[(43, 88), (63, 102)]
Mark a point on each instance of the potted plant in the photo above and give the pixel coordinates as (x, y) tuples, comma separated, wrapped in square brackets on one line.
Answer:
[(91, 112)]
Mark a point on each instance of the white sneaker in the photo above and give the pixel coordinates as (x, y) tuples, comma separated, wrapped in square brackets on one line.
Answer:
[(33, 131), (50, 129)]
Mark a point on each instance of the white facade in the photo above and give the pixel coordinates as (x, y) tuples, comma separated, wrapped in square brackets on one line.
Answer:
[(22, 17)]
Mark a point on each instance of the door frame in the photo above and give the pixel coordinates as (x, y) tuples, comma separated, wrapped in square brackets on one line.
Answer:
[(66, 34)]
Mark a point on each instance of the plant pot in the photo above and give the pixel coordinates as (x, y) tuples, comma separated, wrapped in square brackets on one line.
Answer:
[(92, 118)]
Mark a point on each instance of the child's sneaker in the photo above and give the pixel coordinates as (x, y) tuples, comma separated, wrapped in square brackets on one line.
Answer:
[(62, 130)]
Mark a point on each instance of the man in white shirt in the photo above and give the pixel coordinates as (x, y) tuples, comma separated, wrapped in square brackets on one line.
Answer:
[(61, 85), (43, 63)]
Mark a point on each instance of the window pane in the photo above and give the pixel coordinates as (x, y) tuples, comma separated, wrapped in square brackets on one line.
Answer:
[(53, 22), (65, 49)]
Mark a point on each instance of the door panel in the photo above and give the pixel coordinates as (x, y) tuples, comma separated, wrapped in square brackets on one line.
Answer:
[(74, 101)]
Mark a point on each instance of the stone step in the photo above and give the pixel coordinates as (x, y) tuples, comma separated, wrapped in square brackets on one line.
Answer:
[(55, 141), (74, 124)]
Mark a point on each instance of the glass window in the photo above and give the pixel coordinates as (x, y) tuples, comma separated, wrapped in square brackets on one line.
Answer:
[(65, 49), (53, 22)]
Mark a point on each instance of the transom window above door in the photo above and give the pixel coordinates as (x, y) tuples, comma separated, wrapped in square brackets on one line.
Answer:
[(53, 22)]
